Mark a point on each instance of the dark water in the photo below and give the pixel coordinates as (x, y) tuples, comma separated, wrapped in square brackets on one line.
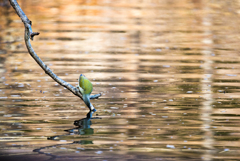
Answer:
[(168, 70)]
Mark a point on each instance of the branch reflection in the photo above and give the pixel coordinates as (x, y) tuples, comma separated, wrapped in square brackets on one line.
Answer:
[(83, 128)]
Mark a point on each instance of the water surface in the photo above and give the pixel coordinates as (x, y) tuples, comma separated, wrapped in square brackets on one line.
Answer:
[(168, 71)]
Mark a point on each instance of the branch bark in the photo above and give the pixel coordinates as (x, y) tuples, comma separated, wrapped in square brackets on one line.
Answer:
[(29, 34)]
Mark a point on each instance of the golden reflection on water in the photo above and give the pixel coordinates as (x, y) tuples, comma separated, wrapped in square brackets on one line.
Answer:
[(168, 70)]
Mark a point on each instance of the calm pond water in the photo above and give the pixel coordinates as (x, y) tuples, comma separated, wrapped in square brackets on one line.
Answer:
[(169, 71)]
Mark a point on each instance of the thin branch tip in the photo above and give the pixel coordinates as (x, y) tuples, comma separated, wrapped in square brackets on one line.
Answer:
[(34, 34), (96, 96)]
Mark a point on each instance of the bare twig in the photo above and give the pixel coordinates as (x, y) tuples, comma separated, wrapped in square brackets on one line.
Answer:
[(29, 34), (33, 34)]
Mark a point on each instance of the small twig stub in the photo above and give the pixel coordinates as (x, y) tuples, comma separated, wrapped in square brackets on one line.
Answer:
[(34, 34)]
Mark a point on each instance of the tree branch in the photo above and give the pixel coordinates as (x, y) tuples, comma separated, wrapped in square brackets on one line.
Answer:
[(29, 34)]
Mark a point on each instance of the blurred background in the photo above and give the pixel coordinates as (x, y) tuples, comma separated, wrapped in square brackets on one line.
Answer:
[(168, 70)]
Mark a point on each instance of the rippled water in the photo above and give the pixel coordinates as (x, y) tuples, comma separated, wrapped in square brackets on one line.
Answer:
[(168, 70)]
